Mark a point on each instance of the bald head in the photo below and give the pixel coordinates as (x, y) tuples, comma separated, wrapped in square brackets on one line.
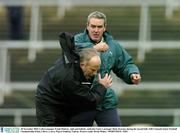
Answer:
[(89, 62), (94, 62)]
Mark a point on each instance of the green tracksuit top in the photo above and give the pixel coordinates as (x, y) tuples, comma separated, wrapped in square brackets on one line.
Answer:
[(115, 59)]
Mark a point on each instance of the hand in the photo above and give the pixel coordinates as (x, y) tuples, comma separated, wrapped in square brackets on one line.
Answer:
[(106, 81), (101, 47), (136, 78)]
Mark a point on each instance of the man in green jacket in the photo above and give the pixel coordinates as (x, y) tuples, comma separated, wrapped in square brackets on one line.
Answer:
[(113, 58)]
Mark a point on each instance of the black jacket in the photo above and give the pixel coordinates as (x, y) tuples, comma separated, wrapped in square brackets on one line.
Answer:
[(65, 86)]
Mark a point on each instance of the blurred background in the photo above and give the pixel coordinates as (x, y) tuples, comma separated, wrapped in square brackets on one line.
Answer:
[(148, 29)]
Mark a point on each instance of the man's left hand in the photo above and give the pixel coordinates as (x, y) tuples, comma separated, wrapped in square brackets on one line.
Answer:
[(101, 47), (136, 78)]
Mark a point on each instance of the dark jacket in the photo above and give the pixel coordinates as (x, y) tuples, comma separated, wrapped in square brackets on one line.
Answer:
[(65, 86)]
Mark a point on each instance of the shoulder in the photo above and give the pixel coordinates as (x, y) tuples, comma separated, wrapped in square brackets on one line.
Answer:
[(80, 35), (59, 70), (83, 36), (109, 38), (113, 43)]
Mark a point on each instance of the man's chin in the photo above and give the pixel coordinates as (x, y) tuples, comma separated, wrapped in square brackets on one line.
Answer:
[(89, 77), (96, 39)]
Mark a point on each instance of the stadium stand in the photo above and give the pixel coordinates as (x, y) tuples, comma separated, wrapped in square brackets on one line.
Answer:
[(160, 65)]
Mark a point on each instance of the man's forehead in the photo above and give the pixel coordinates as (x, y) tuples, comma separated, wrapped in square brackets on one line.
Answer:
[(94, 61), (96, 20)]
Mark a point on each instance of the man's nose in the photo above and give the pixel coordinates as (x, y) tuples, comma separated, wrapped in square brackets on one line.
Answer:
[(96, 29), (95, 72)]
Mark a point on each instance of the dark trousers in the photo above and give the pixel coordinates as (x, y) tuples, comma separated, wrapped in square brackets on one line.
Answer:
[(107, 117), (51, 115)]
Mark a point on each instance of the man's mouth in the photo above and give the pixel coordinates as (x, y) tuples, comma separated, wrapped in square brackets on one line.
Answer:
[(96, 35)]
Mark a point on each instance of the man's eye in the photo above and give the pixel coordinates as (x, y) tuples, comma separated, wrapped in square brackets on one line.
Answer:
[(99, 27)]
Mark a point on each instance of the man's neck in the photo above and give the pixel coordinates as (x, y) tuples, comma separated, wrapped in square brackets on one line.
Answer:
[(102, 40)]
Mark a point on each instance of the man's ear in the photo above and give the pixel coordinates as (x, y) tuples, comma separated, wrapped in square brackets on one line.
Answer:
[(104, 28), (82, 64)]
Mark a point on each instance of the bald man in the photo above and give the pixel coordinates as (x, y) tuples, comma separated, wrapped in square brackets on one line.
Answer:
[(66, 90)]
